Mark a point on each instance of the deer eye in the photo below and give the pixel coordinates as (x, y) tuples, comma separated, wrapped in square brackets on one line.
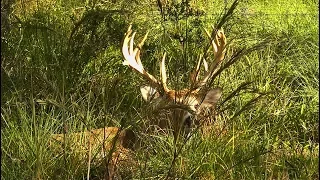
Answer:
[(188, 121)]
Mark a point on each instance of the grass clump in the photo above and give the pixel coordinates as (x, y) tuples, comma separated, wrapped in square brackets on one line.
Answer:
[(62, 72)]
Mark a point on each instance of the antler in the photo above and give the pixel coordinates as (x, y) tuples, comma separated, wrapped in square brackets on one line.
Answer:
[(218, 45), (132, 59)]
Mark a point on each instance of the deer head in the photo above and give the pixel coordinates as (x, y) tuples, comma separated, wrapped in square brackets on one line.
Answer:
[(187, 103)]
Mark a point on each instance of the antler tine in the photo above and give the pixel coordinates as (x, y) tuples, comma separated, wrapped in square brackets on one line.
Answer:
[(139, 48), (194, 75), (163, 73), (132, 59), (205, 65), (131, 43)]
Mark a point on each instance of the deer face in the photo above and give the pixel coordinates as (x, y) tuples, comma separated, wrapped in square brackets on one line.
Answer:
[(183, 106)]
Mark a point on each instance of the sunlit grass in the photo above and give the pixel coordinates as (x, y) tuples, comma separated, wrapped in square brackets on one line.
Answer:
[(53, 82)]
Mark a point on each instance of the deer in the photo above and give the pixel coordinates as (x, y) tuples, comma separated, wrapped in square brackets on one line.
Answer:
[(183, 104), (186, 104)]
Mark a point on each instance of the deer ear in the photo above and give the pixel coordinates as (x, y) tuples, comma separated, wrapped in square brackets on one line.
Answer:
[(212, 97), (148, 93)]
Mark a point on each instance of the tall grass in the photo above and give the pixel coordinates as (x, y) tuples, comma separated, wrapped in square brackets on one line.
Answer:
[(62, 72)]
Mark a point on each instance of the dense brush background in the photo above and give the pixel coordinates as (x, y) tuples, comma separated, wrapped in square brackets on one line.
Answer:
[(61, 71)]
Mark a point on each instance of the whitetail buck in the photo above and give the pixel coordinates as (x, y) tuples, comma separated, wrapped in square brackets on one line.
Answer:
[(183, 104)]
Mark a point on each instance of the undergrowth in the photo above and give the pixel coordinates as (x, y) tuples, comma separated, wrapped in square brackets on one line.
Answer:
[(61, 71)]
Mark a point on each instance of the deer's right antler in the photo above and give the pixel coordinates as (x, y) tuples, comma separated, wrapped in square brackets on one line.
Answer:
[(132, 59)]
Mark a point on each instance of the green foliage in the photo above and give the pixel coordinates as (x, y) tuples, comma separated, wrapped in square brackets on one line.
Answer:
[(62, 67)]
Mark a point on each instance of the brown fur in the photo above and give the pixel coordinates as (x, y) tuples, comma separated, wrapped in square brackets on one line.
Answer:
[(103, 141), (172, 94)]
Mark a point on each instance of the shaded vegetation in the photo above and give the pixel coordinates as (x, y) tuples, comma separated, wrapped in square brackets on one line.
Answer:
[(61, 71)]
